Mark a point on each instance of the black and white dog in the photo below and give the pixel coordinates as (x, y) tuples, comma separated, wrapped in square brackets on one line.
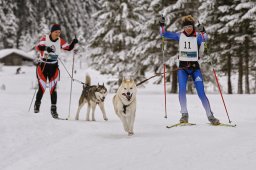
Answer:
[(93, 95)]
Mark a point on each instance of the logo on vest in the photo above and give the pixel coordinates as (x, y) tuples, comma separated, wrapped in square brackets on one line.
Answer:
[(54, 48), (198, 79)]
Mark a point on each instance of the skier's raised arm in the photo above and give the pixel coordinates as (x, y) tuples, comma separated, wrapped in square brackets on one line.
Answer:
[(169, 35), (66, 46)]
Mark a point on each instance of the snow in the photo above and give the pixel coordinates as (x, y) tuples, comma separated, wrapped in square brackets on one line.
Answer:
[(224, 8), (246, 5), (36, 141)]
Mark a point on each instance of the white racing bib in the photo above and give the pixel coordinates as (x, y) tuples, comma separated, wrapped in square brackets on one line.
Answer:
[(55, 46), (188, 49)]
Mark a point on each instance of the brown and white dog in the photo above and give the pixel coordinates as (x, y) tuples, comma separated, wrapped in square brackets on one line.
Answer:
[(125, 104)]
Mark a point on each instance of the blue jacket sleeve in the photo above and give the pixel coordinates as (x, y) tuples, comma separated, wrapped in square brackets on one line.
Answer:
[(172, 35)]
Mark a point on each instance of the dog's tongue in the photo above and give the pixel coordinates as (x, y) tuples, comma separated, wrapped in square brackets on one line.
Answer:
[(127, 96)]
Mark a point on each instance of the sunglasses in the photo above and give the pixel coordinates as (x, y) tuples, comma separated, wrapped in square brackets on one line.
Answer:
[(188, 27)]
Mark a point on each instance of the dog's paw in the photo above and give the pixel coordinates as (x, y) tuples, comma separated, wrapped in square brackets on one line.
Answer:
[(130, 133), (106, 119), (93, 119), (87, 119)]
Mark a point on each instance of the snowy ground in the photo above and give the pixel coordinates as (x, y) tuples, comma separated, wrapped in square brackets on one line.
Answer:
[(38, 142)]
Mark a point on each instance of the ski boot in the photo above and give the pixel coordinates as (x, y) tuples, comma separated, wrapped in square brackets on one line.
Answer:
[(184, 118), (54, 111), (37, 107), (213, 120)]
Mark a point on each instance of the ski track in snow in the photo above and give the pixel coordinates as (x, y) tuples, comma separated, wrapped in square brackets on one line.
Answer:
[(36, 141)]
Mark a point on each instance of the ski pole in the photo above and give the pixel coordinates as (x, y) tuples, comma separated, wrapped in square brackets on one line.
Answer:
[(217, 81), (32, 101), (36, 90), (71, 84), (164, 71)]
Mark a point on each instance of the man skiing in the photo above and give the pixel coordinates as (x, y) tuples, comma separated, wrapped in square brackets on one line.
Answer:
[(190, 42), (50, 48)]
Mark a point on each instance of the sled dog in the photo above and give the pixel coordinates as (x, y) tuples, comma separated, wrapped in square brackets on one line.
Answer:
[(92, 95), (125, 104)]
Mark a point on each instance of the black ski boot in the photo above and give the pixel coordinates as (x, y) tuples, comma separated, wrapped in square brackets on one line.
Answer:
[(184, 118), (37, 107), (54, 112)]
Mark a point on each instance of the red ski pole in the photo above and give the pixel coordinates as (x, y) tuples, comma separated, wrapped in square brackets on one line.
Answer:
[(215, 75)]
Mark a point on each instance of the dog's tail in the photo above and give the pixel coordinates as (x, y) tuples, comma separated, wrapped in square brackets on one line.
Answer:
[(87, 80)]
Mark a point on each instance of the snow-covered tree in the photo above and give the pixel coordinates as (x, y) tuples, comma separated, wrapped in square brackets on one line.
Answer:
[(231, 37), (8, 24), (117, 28)]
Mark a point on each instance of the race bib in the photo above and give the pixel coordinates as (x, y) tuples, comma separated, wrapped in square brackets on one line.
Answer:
[(188, 49)]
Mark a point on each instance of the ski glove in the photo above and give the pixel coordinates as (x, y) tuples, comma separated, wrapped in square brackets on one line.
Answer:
[(162, 21), (49, 49), (75, 41), (200, 27)]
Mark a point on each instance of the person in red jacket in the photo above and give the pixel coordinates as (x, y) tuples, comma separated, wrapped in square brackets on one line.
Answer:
[(50, 47)]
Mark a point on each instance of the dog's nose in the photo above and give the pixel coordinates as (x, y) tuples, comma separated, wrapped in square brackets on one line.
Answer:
[(128, 93), (103, 98)]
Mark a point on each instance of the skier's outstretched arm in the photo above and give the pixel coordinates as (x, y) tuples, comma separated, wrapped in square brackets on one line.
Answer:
[(66, 46)]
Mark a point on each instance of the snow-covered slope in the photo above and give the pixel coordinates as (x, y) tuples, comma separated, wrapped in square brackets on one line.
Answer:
[(36, 141)]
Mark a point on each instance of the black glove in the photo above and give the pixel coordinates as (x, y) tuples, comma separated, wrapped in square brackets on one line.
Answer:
[(200, 27), (49, 49), (162, 21), (75, 41)]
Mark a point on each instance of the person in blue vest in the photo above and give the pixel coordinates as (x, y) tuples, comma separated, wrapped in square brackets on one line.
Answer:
[(190, 44)]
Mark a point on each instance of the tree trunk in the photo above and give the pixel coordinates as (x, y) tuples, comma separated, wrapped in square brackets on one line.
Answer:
[(247, 85), (174, 88), (229, 69), (240, 74)]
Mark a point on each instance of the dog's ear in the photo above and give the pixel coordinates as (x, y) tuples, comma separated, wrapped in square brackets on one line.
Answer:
[(98, 84), (103, 85)]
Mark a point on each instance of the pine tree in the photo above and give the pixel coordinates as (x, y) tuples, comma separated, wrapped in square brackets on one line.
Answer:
[(9, 31), (231, 38), (246, 11), (116, 30), (219, 50)]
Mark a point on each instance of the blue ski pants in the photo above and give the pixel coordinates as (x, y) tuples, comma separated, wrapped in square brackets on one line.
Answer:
[(198, 82)]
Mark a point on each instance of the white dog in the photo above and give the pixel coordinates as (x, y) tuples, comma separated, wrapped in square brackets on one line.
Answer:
[(125, 104)]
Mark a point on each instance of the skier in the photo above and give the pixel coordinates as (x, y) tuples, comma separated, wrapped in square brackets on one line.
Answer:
[(190, 43), (50, 48)]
